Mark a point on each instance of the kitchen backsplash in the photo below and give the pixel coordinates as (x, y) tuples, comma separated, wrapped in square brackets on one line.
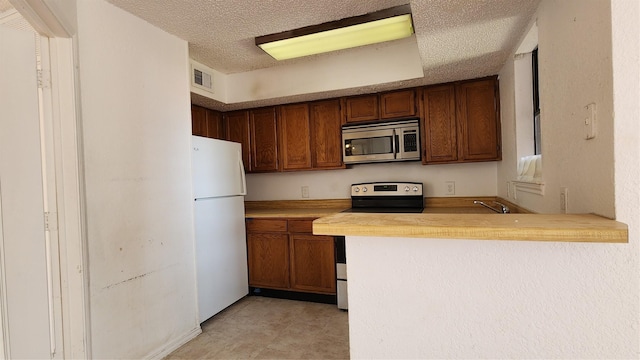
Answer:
[(471, 179)]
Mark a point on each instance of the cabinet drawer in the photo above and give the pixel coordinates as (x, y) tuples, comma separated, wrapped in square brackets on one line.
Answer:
[(301, 226), (270, 225)]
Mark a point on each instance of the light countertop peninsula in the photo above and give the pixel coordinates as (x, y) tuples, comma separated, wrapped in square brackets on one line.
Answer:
[(524, 227)]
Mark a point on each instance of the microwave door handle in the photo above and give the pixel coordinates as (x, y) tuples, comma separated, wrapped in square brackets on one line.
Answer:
[(394, 147), (397, 142)]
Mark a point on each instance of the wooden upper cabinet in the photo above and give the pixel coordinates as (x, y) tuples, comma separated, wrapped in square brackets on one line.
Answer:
[(479, 125), (439, 129), (198, 120), (237, 129), (398, 104), (206, 122), (362, 108), (326, 134), (461, 122), (215, 125), (294, 135), (264, 140)]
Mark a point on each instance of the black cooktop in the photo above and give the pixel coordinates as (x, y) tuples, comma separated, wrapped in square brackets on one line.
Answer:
[(384, 210)]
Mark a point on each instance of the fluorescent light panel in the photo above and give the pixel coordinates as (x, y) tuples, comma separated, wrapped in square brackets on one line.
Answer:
[(386, 25)]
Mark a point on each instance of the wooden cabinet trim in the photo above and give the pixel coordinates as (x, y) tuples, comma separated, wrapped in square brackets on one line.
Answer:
[(267, 225), (301, 226)]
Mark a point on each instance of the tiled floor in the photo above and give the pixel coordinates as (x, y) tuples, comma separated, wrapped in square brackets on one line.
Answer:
[(267, 328)]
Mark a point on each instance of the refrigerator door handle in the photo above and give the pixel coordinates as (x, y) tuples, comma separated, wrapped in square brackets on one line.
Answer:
[(242, 175)]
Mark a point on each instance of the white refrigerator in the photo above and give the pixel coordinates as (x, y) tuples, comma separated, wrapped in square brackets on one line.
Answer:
[(219, 187)]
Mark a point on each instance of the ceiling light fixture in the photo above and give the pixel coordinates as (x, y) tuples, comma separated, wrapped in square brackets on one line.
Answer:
[(385, 25)]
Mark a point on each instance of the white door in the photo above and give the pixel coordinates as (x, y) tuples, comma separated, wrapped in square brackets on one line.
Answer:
[(24, 293)]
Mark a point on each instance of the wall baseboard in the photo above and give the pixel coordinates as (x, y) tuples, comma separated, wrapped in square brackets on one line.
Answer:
[(171, 346)]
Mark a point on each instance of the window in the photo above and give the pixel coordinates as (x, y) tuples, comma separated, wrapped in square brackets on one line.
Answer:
[(536, 103), (527, 116)]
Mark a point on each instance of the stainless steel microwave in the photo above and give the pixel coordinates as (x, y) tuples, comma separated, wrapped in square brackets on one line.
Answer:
[(381, 142)]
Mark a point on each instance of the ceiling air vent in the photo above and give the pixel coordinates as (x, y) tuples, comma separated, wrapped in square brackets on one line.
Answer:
[(201, 78)]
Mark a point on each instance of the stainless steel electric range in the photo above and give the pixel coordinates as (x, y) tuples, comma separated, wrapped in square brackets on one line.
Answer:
[(375, 197)]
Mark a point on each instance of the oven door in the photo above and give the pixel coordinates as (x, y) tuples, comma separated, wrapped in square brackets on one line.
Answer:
[(369, 146)]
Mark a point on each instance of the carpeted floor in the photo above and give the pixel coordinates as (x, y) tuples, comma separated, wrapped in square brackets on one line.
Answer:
[(267, 328)]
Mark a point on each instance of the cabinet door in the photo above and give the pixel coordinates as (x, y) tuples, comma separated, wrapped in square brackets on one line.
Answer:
[(264, 140), (294, 135), (198, 120), (362, 108), (478, 124), (215, 126), (312, 263), (398, 104), (237, 129), (326, 134), (439, 127), (268, 259)]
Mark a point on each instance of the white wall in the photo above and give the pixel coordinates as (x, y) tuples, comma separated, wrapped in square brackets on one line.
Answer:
[(496, 299), (575, 69), (385, 63), (472, 179), (470, 299), (136, 136)]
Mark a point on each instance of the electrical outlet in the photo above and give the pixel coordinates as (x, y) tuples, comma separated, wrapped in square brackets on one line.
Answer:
[(508, 189), (305, 191), (450, 187), (564, 199)]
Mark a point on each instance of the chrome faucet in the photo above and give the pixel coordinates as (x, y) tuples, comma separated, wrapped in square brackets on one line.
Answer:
[(504, 209)]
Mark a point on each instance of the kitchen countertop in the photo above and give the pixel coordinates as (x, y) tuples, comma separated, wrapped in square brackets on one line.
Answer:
[(295, 208), (292, 212), (526, 227), (322, 212), (322, 208)]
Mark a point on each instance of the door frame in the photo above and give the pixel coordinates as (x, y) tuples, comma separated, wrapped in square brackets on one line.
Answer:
[(63, 148)]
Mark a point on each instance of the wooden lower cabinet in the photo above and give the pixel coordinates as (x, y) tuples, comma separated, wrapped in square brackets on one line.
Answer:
[(289, 257), (268, 259), (312, 263)]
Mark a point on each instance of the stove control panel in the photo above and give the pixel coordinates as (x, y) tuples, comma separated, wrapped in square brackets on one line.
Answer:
[(386, 189)]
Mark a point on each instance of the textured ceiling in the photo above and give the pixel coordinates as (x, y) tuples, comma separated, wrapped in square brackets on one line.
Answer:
[(457, 39), (5, 5)]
